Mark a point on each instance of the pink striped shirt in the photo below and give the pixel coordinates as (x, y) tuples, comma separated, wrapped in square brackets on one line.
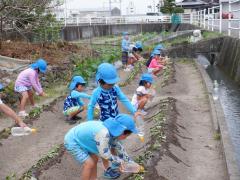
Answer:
[(29, 78)]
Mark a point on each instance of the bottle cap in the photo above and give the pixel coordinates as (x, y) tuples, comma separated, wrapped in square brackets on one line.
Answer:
[(141, 169), (141, 137), (33, 130)]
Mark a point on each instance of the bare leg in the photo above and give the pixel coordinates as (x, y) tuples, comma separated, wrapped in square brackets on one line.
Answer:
[(30, 95), (105, 163), (89, 169), (142, 103), (75, 113), (156, 71), (94, 171), (23, 100)]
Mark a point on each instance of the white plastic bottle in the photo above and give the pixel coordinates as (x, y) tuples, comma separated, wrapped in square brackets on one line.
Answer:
[(140, 126), (20, 131), (132, 167), (215, 90)]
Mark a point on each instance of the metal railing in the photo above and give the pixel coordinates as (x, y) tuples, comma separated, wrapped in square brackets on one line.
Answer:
[(76, 21), (232, 23)]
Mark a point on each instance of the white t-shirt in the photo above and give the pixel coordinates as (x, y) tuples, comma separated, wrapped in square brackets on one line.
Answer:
[(141, 90), (1, 101)]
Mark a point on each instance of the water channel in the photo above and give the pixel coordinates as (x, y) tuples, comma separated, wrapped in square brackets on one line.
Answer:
[(229, 96)]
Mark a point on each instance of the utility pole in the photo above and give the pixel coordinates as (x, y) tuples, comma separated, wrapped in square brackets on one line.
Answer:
[(110, 7)]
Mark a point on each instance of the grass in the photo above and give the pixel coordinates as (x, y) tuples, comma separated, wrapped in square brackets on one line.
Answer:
[(211, 34)]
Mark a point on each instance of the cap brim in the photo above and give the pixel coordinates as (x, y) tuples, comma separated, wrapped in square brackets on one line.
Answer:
[(42, 70), (114, 127), (72, 85), (112, 81)]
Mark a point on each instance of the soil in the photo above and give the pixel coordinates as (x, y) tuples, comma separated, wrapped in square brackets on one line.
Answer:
[(190, 151), (53, 53)]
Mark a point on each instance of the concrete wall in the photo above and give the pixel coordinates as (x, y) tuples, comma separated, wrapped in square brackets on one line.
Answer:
[(81, 32), (229, 59), (225, 51)]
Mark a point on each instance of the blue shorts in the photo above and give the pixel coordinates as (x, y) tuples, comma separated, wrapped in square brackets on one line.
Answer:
[(77, 152)]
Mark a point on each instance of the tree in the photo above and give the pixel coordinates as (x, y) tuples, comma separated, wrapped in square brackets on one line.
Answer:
[(25, 16), (170, 7)]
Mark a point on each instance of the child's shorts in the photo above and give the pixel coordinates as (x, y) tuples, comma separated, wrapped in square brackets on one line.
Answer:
[(150, 70), (20, 89), (77, 152), (124, 57), (72, 110)]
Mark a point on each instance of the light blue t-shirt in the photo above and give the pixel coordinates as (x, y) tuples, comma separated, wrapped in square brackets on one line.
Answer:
[(125, 45)]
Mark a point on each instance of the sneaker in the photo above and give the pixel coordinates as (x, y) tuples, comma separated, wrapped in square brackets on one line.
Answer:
[(70, 120), (115, 166), (127, 70), (144, 112), (22, 114), (36, 106), (76, 117), (111, 174)]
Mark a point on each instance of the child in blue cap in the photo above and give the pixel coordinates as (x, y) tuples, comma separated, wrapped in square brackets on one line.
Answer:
[(73, 104), (9, 112), (159, 47), (26, 81), (142, 94), (93, 139), (107, 94), (157, 63), (125, 49)]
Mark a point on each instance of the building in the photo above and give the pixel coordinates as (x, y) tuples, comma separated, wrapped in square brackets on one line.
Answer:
[(131, 9), (193, 5), (234, 6), (116, 12)]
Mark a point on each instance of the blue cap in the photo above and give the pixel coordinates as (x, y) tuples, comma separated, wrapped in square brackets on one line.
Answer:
[(1, 86), (121, 122), (156, 52), (138, 44), (75, 80), (40, 64), (159, 47), (125, 33), (108, 73), (147, 77)]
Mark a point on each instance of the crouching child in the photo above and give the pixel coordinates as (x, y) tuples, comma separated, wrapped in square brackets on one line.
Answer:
[(93, 139), (73, 103)]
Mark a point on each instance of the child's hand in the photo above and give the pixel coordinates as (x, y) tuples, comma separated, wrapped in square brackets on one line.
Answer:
[(22, 124), (138, 113)]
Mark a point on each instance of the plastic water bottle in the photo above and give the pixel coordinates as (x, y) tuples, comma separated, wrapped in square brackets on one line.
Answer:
[(140, 126), (20, 131), (215, 90), (132, 167)]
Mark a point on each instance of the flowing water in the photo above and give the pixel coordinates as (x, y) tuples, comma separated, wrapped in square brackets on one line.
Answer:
[(229, 96)]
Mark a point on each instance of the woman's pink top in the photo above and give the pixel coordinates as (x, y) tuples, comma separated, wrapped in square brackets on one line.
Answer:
[(29, 78)]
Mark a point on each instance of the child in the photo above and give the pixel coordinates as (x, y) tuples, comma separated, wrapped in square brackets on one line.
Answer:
[(107, 94), (142, 95), (125, 50), (159, 47), (27, 80), (157, 63), (9, 112), (73, 104), (93, 139)]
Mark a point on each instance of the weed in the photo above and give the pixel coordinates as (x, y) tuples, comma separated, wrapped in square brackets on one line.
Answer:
[(217, 136)]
